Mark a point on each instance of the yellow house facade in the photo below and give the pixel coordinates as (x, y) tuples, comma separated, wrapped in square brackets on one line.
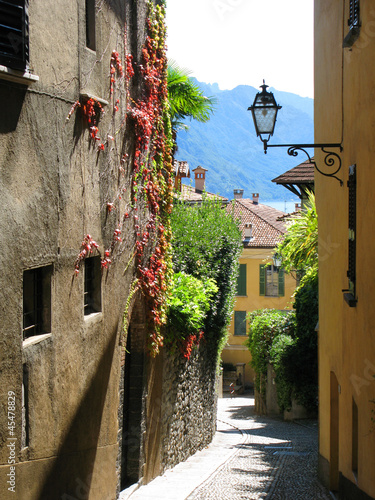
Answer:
[(345, 113), (259, 285)]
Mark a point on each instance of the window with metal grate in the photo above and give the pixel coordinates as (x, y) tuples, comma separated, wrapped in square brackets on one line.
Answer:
[(352, 186), (14, 34), (353, 13)]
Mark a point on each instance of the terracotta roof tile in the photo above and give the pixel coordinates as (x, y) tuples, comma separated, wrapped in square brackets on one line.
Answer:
[(267, 229), (189, 193)]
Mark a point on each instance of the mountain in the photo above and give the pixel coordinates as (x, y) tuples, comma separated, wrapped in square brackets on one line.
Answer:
[(227, 145)]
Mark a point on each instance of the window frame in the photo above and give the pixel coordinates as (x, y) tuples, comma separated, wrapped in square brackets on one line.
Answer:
[(239, 323), (264, 270), (16, 30), (92, 294), (37, 301)]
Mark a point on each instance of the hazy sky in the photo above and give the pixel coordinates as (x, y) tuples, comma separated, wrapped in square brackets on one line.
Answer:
[(240, 42)]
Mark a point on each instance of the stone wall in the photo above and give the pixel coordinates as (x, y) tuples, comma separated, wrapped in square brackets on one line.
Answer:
[(188, 404)]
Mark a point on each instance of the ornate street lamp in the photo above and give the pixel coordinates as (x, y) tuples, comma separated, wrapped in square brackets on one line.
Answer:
[(264, 111)]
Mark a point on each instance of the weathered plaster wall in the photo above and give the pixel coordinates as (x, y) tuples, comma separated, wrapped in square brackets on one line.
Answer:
[(344, 111), (53, 189)]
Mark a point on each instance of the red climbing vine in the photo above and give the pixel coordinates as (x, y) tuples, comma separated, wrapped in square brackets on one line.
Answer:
[(150, 195)]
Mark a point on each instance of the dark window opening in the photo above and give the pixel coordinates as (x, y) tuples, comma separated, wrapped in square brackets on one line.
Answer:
[(14, 34), (90, 25), (93, 279), (37, 301), (240, 322)]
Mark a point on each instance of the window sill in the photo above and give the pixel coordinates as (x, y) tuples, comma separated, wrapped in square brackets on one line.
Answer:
[(93, 317), (15, 76), (36, 339)]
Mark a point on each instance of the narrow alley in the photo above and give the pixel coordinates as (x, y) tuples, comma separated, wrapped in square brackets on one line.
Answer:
[(250, 457)]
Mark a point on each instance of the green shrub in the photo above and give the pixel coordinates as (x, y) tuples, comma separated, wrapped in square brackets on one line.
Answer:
[(188, 305), (266, 325), (206, 243)]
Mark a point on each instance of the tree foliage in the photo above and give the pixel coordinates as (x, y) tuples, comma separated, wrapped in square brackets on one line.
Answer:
[(299, 249), (206, 243), (188, 305), (186, 99)]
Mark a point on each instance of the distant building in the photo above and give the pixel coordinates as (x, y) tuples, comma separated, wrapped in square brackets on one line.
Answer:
[(259, 285)]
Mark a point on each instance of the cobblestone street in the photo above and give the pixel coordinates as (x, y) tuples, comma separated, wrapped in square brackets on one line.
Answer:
[(275, 459), (250, 458)]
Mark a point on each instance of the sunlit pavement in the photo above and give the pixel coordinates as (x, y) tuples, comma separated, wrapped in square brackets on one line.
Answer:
[(250, 458)]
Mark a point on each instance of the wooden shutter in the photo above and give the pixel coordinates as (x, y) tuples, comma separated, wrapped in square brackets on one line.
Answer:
[(14, 33), (262, 280), (240, 322), (281, 283), (241, 281)]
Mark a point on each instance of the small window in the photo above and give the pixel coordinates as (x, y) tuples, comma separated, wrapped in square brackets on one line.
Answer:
[(271, 281), (241, 281), (37, 301), (350, 297), (14, 34), (93, 280), (90, 25), (240, 322)]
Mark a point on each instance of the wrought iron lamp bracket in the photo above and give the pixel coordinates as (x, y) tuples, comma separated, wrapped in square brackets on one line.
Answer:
[(331, 160)]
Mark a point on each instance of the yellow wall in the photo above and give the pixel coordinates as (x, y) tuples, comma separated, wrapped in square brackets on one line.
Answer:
[(345, 111), (235, 351)]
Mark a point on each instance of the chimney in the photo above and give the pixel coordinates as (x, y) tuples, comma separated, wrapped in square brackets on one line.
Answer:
[(238, 194), (255, 198), (248, 232), (200, 178)]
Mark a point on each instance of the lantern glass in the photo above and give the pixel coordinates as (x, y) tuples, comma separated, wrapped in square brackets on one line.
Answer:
[(264, 111)]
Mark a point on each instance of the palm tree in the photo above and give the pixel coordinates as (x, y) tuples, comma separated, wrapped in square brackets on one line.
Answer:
[(186, 99)]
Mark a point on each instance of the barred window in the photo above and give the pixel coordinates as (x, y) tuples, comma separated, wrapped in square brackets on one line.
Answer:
[(14, 34), (352, 216), (353, 13)]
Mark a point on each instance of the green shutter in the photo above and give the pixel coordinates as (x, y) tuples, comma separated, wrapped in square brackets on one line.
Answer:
[(241, 281), (262, 279), (240, 322), (281, 283)]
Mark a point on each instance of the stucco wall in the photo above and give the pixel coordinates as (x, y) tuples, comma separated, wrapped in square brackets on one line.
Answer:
[(344, 111)]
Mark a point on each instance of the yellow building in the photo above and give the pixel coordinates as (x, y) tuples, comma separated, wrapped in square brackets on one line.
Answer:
[(345, 113), (259, 286)]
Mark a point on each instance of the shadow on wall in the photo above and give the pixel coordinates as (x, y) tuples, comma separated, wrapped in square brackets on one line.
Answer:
[(12, 97), (71, 474)]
